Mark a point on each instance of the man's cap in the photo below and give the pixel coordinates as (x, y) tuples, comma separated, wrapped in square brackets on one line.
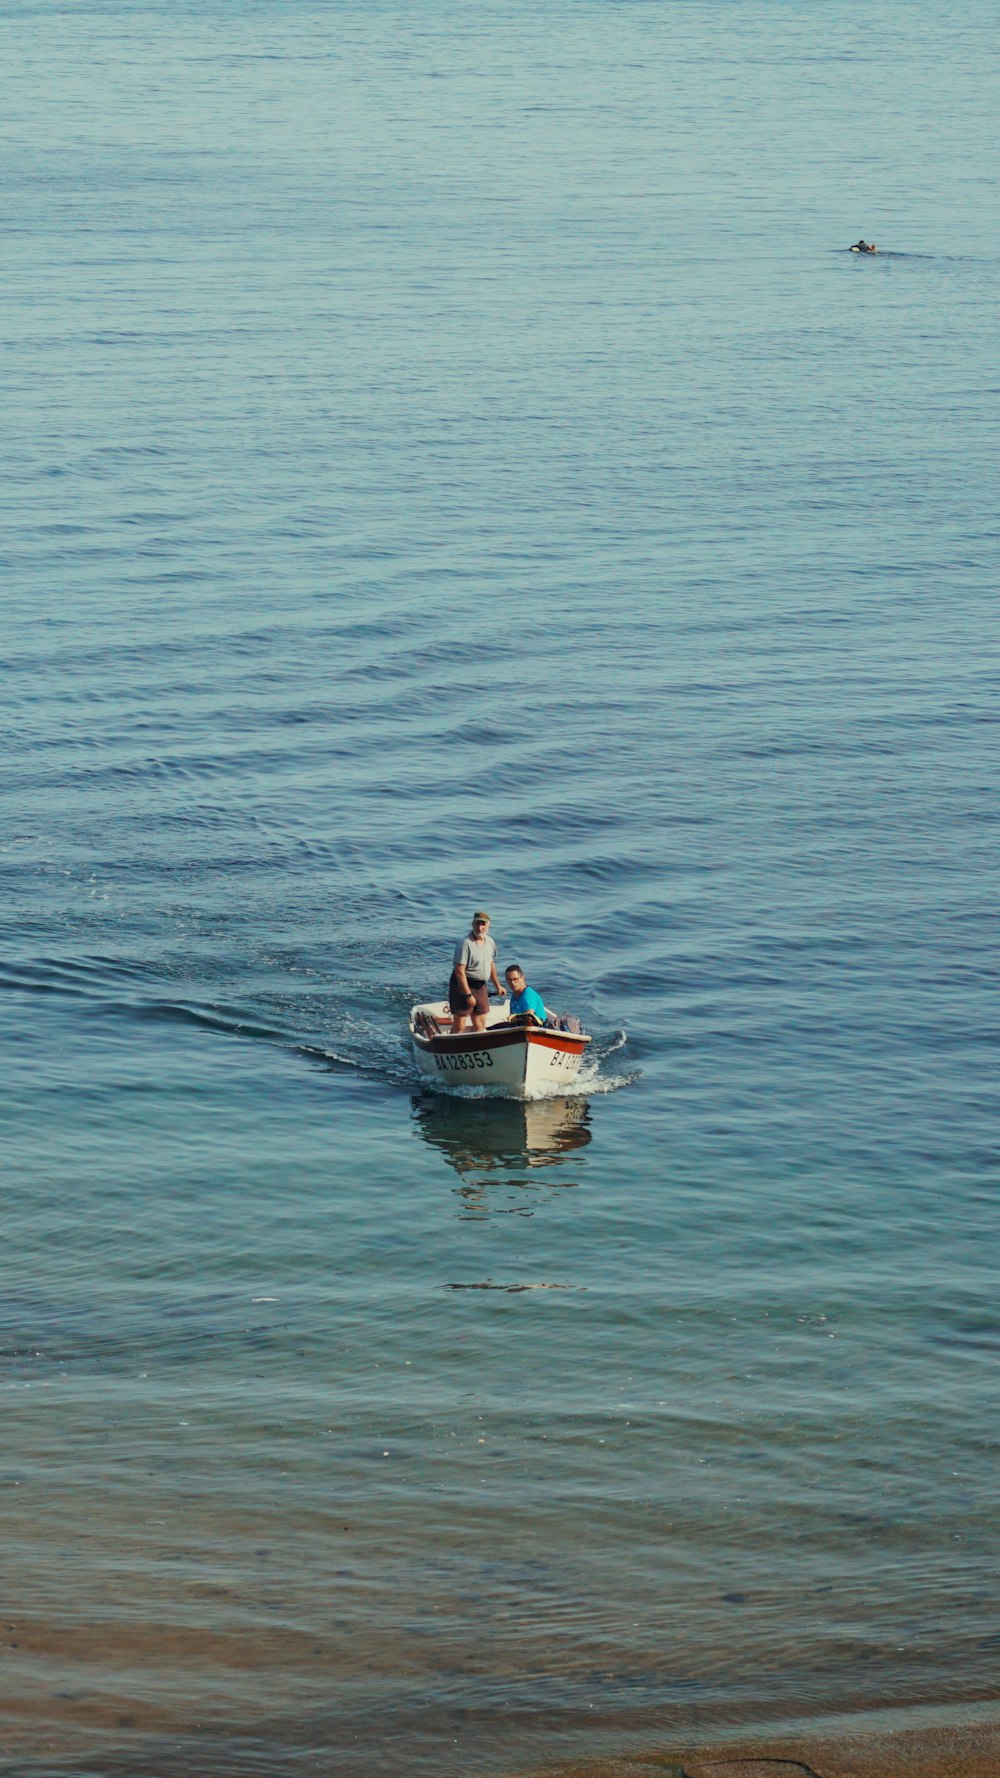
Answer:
[(479, 915)]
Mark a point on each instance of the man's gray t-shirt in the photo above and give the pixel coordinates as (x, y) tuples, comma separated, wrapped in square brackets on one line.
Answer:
[(476, 956)]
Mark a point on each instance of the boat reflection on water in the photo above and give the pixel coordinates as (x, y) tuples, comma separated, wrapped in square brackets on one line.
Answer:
[(487, 1135), (501, 1137)]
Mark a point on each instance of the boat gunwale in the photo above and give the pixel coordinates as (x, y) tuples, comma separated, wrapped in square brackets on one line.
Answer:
[(501, 1037)]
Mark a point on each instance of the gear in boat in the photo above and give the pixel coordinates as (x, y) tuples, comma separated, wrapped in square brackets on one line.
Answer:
[(514, 1058)]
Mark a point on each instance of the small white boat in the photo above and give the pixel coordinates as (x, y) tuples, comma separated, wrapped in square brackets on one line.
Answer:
[(508, 1059)]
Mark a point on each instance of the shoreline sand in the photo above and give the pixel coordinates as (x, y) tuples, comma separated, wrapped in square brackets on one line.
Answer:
[(932, 1742), (920, 1741)]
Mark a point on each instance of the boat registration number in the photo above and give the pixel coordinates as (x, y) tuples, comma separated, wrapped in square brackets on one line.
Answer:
[(562, 1059), (465, 1064)]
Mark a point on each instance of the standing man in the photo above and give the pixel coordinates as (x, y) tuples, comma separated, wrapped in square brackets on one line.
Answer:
[(474, 967)]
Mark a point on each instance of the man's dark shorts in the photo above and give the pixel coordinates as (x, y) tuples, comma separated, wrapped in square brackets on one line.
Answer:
[(459, 1002)]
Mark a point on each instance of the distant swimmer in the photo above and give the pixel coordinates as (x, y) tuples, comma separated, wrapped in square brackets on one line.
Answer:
[(864, 247)]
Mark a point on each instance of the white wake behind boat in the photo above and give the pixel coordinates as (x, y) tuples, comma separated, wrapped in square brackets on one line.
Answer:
[(507, 1059)]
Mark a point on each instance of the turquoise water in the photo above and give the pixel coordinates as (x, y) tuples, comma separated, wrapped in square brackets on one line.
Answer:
[(450, 460)]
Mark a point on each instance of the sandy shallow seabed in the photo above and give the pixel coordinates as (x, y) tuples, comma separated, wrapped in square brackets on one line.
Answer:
[(854, 1747)]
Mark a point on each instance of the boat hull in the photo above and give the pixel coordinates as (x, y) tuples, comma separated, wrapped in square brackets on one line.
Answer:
[(507, 1061)]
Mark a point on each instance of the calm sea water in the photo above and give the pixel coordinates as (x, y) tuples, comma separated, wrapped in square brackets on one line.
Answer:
[(449, 459)]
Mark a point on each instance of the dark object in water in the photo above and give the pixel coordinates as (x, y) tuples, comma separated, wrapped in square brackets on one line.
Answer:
[(864, 246)]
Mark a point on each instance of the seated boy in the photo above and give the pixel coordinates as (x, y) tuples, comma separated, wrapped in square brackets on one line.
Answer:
[(524, 1002)]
